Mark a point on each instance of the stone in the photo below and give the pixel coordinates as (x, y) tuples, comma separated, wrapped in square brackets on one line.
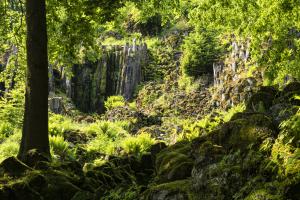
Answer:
[(251, 81), (174, 163), (169, 195), (181, 171), (260, 102), (37, 182), (13, 167), (270, 90), (117, 72), (281, 112), (56, 105), (83, 195), (33, 157), (291, 87), (177, 190), (146, 161), (60, 190), (156, 148), (23, 191), (5, 193), (244, 129)]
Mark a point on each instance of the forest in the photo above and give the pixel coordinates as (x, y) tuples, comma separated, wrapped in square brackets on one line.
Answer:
[(150, 100)]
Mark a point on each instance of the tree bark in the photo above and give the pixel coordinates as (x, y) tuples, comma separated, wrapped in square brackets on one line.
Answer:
[(35, 124)]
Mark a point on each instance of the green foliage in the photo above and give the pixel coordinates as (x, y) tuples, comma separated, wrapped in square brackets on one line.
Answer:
[(291, 130), (10, 146), (286, 149), (161, 60), (274, 38), (193, 129), (131, 193), (58, 124), (102, 144), (188, 84), (6, 130), (113, 102), (11, 107), (109, 136), (137, 144), (200, 50), (227, 115), (60, 149)]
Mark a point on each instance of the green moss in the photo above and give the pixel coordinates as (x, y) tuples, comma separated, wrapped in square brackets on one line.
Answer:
[(260, 101), (174, 163), (241, 132), (182, 188), (262, 194)]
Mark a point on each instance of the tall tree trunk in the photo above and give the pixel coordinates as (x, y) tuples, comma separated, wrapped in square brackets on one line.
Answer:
[(35, 125)]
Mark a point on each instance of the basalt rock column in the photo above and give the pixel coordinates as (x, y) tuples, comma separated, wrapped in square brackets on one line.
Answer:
[(118, 72)]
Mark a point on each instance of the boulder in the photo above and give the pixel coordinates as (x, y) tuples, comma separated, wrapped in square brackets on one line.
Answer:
[(177, 190), (158, 147), (13, 167), (260, 102), (56, 105), (281, 112), (291, 87), (33, 157), (241, 132), (174, 163)]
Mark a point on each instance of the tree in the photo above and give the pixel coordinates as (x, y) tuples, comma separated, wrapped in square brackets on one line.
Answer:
[(35, 124)]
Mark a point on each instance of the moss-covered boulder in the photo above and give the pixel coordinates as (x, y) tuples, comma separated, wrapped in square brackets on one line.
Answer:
[(281, 112), (239, 133), (205, 152), (260, 102), (13, 167), (34, 156), (292, 87), (174, 163), (5, 192), (287, 95), (262, 194), (38, 185), (177, 190), (83, 195), (226, 158)]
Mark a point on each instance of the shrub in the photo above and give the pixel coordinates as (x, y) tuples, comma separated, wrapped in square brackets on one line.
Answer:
[(10, 146), (12, 107), (6, 129), (137, 144), (102, 144), (188, 84), (226, 116), (109, 136), (200, 50), (58, 124), (114, 101), (60, 149)]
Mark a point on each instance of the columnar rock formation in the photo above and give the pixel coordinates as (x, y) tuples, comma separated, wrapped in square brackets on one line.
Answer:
[(6, 59), (118, 72), (232, 78)]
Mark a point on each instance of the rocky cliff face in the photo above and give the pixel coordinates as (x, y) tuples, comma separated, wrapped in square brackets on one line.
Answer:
[(118, 72), (233, 80)]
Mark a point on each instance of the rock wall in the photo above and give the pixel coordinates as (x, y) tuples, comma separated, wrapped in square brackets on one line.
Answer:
[(118, 72), (232, 82), (5, 59)]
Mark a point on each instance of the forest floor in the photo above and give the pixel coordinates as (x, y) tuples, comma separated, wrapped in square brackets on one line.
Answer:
[(246, 153)]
